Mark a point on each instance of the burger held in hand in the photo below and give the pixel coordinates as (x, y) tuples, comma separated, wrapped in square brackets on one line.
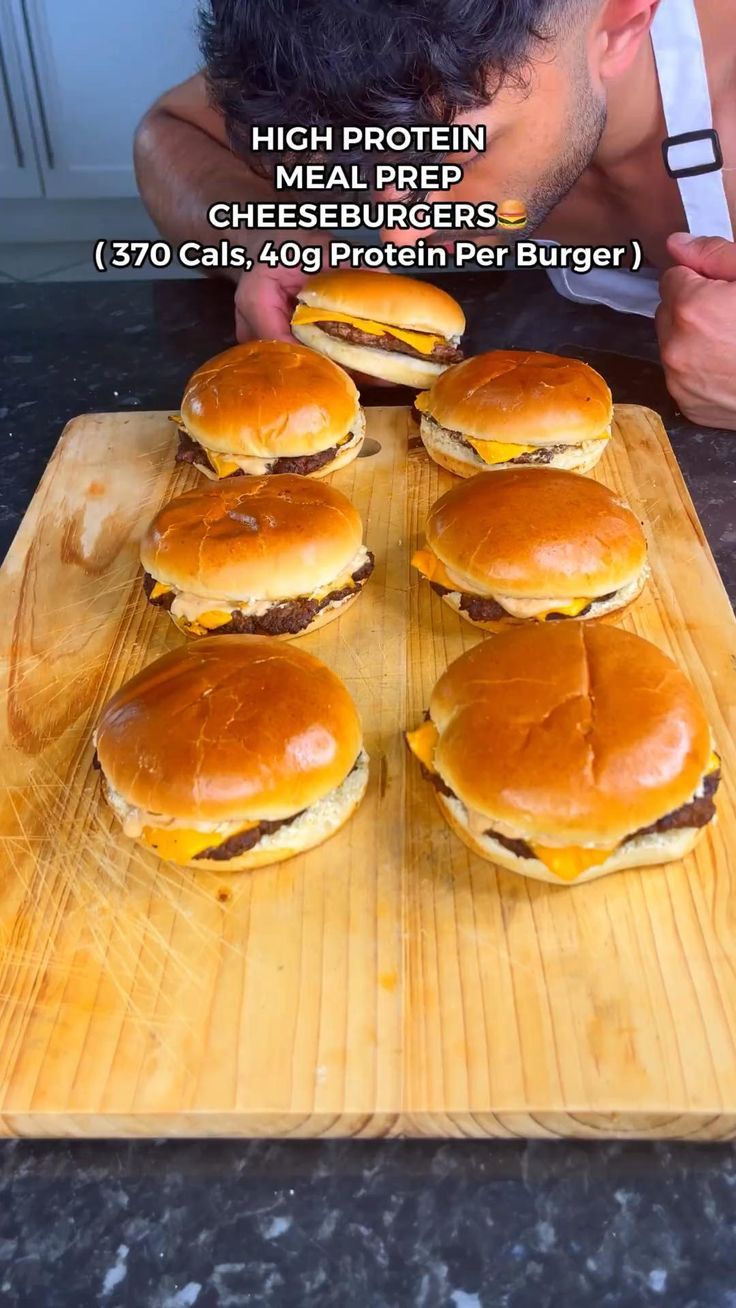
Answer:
[(510, 408), (532, 545), (231, 753), (568, 752), (269, 407), (275, 556), (381, 324)]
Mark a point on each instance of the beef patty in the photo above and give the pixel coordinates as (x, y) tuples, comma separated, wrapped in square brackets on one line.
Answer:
[(696, 813), (242, 841), (484, 609), (285, 618), (441, 353), (190, 451), (544, 454)]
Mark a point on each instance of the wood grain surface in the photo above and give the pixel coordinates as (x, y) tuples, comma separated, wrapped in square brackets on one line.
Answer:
[(390, 982)]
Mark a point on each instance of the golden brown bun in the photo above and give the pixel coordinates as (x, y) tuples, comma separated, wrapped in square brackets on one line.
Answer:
[(322, 618), (323, 820), (269, 399), (526, 397), (534, 532), (271, 537), (386, 297), (569, 734), (645, 851), (401, 369), (229, 728), (463, 461)]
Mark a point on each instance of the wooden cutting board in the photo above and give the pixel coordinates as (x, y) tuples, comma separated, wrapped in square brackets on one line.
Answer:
[(390, 982)]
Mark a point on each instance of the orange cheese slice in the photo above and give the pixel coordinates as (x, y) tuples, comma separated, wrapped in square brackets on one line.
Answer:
[(571, 609), (498, 451), (422, 743), (421, 341), (180, 844), (213, 618), (221, 464), (159, 589), (426, 562), (714, 763), (569, 863)]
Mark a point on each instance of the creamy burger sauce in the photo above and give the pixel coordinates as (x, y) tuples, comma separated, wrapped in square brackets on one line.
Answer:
[(189, 606), (255, 467)]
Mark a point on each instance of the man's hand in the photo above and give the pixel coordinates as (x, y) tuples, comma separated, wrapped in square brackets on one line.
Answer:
[(264, 302), (696, 328)]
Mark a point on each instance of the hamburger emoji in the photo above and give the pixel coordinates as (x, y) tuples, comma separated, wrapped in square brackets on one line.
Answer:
[(511, 214)]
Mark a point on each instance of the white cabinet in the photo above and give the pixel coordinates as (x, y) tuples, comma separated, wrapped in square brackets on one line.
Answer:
[(90, 69), (19, 172)]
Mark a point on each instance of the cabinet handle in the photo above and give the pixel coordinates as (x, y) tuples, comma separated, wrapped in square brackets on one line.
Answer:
[(19, 158), (48, 148)]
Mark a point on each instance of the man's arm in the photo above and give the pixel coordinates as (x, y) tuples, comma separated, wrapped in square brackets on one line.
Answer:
[(183, 165)]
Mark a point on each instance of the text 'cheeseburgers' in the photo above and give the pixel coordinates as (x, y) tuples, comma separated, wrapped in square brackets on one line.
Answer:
[(568, 752), (269, 407), (387, 326), (515, 407), (271, 556), (231, 753), (532, 545)]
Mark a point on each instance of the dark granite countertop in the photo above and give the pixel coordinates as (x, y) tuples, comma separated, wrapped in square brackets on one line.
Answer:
[(432, 1224)]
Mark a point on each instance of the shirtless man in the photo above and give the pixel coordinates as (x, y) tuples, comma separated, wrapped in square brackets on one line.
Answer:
[(577, 97)]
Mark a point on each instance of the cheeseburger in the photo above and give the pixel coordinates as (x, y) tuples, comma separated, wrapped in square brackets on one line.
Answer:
[(264, 556), (231, 753), (516, 407), (381, 324), (511, 214), (532, 545), (269, 407), (568, 752)]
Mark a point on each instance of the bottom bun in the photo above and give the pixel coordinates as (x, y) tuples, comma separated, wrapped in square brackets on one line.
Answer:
[(403, 369), (320, 619), (643, 851), (621, 600), (464, 462), (316, 824)]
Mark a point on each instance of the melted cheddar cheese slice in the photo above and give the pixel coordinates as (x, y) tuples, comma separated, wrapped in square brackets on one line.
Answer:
[(421, 341), (159, 589), (422, 743), (498, 451), (180, 844), (426, 562), (221, 464), (570, 862)]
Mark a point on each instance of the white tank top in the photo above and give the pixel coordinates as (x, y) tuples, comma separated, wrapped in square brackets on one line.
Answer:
[(691, 145)]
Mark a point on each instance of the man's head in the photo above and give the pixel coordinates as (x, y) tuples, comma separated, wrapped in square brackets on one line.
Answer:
[(536, 73)]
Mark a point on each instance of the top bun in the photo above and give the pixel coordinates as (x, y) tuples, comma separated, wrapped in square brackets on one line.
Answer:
[(570, 734), (521, 397), (388, 298), (227, 728), (266, 399), (535, 532), (270, 537)]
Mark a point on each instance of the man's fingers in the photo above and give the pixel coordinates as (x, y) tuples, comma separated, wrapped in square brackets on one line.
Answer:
[(710, 256)]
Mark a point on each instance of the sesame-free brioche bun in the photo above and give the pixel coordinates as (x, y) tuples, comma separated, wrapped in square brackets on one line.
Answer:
[(228, 729), (569, 735), (401, 369), (530, 532), (522, 397), (269, 399), (274, 537), (388, 298)]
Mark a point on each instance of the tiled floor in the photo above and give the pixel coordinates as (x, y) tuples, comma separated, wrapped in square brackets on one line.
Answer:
[(69, 261)]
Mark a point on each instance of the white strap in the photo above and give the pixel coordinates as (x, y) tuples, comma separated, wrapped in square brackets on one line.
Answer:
[(683, 81)]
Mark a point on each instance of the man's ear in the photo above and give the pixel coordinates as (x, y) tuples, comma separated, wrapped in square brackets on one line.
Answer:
[(618, 32)]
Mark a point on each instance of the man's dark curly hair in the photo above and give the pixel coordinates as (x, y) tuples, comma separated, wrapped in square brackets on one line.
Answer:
[(362, 62)]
